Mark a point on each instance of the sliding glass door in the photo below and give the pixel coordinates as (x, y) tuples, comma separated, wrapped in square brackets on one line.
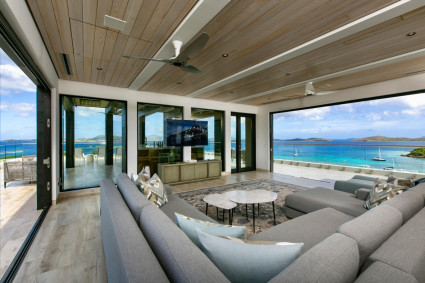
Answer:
[(243, 142), (93, 140)]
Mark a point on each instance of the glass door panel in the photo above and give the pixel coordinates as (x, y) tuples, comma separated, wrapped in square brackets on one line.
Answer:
[(243, 142)]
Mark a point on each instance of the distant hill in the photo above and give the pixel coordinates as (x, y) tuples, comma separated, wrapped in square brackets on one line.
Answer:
[(309, 139), (20, 141), (382, 138)]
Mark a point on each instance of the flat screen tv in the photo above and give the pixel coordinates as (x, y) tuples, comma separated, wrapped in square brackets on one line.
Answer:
[(187, 133)]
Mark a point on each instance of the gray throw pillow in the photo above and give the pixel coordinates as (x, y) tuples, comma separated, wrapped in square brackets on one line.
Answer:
[(189, 225), (244, 261)]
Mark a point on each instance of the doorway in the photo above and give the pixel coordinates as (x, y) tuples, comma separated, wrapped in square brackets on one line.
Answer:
[(242, 142), (93, 138)]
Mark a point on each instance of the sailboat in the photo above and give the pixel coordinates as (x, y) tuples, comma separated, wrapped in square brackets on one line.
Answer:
[(379, 158), (296, 152)]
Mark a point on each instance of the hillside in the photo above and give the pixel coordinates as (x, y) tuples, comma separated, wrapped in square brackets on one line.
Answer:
[(417, 153), (309, 139), (382, 138)]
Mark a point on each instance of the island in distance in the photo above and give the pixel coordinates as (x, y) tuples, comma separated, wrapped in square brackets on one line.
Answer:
[(382, 138), (309, 139)]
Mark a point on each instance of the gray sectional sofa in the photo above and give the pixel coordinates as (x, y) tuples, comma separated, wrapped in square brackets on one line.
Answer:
[(142, 243)]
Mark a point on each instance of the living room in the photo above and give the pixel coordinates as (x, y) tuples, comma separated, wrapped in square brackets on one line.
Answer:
[(266, 69)]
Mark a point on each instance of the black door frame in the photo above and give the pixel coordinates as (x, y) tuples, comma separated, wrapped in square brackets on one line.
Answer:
[(44, 148), (238, 168)]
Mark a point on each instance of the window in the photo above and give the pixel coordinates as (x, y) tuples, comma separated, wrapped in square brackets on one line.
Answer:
[(151, 141), (383, 134), (215, 147)]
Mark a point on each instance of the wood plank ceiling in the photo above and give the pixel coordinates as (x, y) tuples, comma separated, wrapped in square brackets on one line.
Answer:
[(249, 31), (75, 27)]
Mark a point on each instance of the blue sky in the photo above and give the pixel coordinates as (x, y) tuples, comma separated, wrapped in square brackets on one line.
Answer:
[(401, 116), (17, 102)]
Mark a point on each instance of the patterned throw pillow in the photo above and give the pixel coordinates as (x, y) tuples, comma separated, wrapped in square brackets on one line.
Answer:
[(244, 261), (189, 226), (154, 191), (142, 177), (380, 192)]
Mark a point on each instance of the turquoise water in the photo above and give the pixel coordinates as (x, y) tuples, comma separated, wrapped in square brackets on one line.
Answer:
[(351, 153)]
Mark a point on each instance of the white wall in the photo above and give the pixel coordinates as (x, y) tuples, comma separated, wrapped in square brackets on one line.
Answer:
[(407, 84), (132, 97)]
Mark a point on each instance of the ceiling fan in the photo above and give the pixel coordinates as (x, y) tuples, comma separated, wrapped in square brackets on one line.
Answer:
[(181, 57), (311, 91)]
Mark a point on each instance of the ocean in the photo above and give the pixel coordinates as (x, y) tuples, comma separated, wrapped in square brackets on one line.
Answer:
[(339, 152), (352, 153)]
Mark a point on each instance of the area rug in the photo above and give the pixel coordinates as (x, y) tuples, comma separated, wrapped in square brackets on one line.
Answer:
[(263, 221)]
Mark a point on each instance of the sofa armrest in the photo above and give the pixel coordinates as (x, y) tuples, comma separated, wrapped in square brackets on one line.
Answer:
[(362, 193), (352, 185)]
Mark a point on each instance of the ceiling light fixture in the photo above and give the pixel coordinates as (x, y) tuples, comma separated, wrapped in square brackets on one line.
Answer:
[(225, 55), (114, 23), (411, 33)]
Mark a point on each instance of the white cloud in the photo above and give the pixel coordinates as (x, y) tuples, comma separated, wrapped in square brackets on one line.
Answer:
[(413, 112), (23, 109), (411, 101), (315, 114), (13, 80), (88, 111), (374, 116)]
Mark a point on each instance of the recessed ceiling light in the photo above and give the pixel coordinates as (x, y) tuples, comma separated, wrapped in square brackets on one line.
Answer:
[(411, 33), (225, 55), (99, 68), (114, 23)]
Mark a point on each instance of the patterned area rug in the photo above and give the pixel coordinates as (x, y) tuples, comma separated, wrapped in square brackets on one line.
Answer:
[(263, 221)]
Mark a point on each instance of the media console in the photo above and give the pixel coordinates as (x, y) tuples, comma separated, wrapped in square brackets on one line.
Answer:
[(186, 172)]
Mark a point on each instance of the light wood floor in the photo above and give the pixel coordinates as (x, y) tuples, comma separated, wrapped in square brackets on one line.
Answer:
[(18, 214), (68, 247)]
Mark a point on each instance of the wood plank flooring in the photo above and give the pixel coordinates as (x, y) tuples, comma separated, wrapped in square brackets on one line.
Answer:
[(18, 214), (68, 247)]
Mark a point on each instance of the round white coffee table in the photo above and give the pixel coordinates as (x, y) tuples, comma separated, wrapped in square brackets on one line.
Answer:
[(253, 197), (220, 201)]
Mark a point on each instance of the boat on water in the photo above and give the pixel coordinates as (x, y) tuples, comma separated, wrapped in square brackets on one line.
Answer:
[(379, 158), (296, 152)]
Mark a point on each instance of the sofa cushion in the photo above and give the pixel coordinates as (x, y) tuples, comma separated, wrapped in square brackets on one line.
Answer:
[(334, 260), (168, 189), (133, 197), (181, 260), (176, 204), (420, 188), (372, 228), (311, 200), (128, 255), (248, 261), (405, 249), (408, 203), (189, 226), (380, 272), (309, 229)]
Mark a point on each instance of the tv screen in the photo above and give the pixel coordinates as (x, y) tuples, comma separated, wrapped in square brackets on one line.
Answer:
[(187, 133)]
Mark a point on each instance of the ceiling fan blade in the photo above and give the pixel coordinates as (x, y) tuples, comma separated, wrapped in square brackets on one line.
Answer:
[(194, 48), (191, 69), (148, 59), (324, 92)]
